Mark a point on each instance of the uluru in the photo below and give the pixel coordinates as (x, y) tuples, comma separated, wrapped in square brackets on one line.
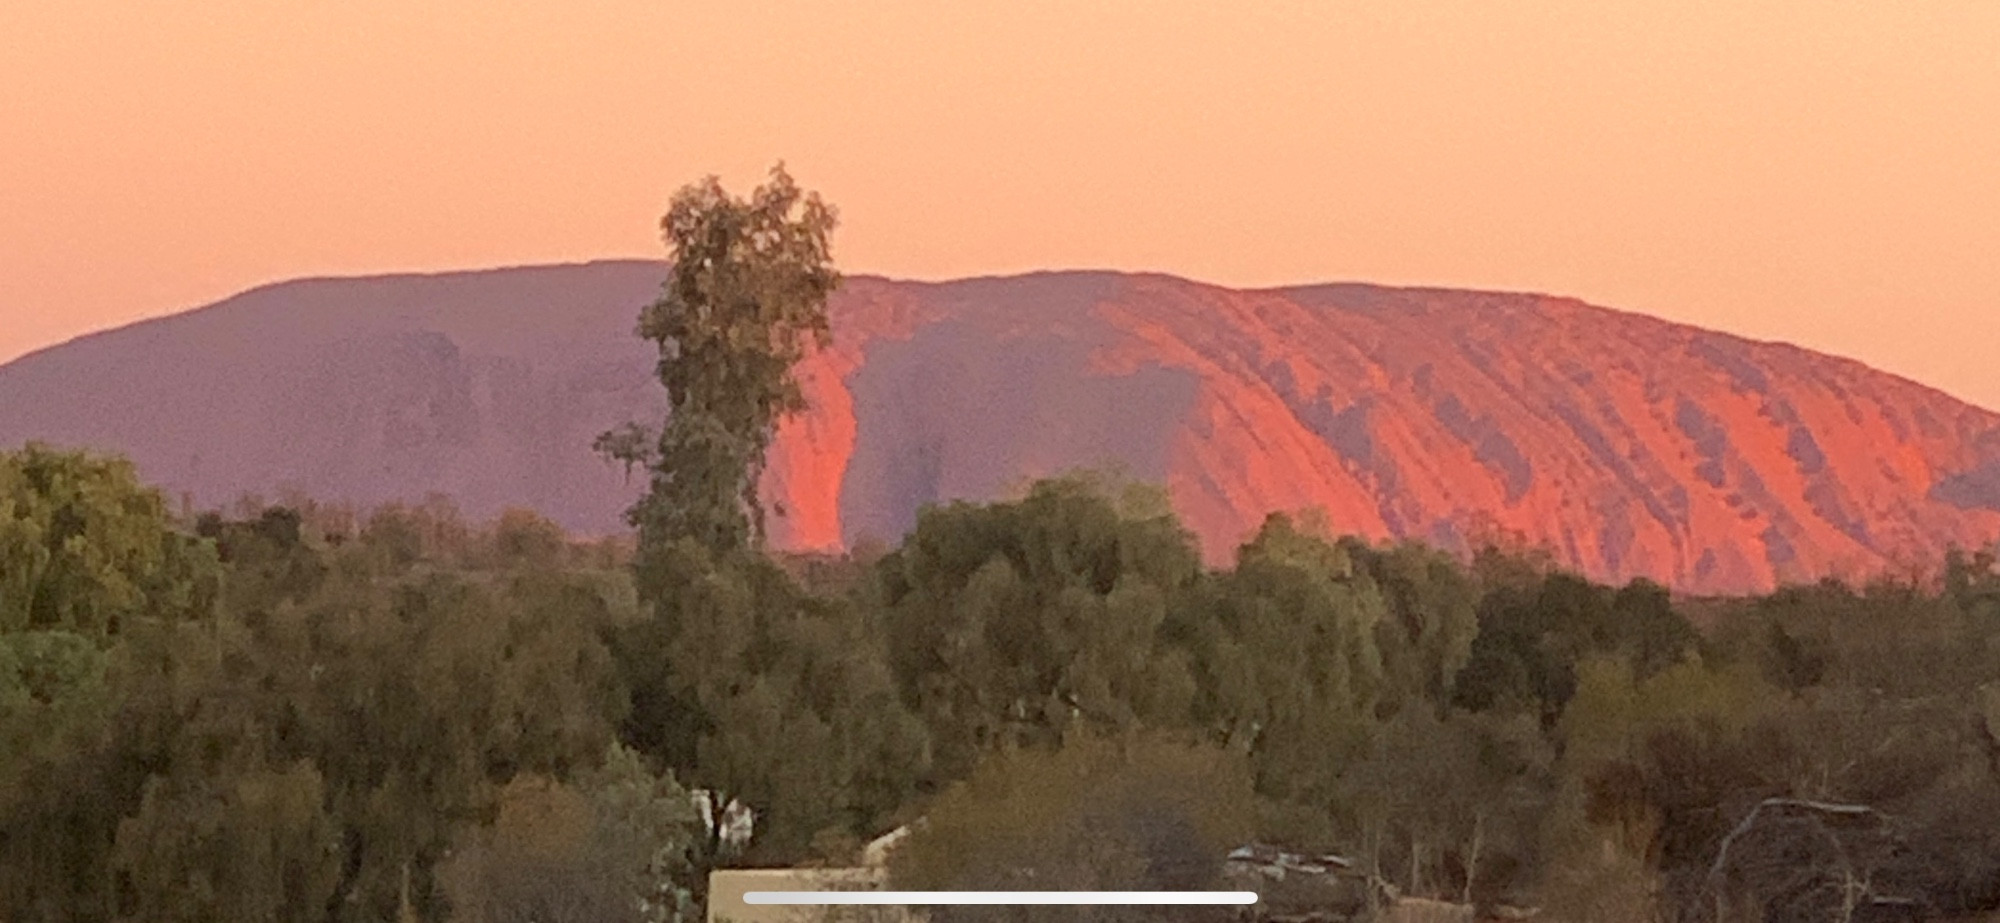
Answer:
[(1625, 445)]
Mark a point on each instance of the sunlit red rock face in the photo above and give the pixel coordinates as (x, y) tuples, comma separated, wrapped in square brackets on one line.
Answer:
[(1626, 445)]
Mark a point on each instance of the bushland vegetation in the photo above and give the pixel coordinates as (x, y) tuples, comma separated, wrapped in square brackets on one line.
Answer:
[(297, 713)]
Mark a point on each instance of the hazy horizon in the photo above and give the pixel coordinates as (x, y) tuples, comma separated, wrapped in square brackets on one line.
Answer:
[(1800, 172)]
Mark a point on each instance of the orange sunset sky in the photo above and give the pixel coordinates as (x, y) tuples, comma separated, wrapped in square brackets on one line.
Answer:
[(1823, 172)]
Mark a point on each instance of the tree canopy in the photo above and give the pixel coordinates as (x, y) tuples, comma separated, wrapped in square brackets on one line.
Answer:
[(744, 299)]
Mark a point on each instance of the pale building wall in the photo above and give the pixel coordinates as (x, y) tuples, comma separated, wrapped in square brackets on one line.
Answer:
[(726, 888)]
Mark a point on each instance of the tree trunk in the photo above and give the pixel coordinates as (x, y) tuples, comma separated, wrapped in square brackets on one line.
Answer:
[(1416, 866), (1472, 855), (709, 854), (1374, 841)]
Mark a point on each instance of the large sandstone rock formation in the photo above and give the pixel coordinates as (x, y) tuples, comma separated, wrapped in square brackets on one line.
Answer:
[(1627, 445)]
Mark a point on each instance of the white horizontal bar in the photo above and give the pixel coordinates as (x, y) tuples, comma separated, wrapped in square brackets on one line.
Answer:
[(938, 898)]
